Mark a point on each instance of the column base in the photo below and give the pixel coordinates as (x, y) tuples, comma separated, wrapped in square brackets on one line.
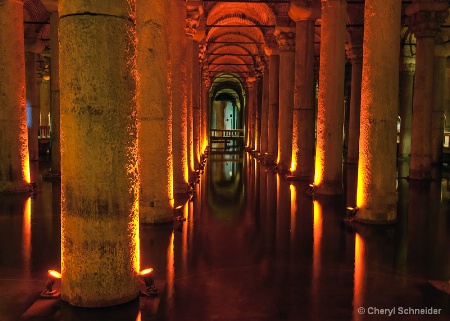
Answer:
[(328, 189), (368, 216), (159, 213), (14, 188), (270, 160), (299, 177)]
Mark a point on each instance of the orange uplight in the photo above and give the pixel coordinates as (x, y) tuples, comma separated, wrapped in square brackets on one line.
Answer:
[(54, 274), (318, 175), (293, 164), (146, 271)]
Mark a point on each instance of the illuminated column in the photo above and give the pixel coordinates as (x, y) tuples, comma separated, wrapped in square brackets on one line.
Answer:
[(407, 74), (330, 110), (264, 112), (99, 161), (55, 96), (14, 159), (192, 22), (286, 42), (179, 96), (251, 98), (154, 113), (355, 55), (205, 111), (44, 97), (274, 82), (303, 134), (257, 102), (425, 19), (376, 191), (196, 106), (437, 120), (32, 105)]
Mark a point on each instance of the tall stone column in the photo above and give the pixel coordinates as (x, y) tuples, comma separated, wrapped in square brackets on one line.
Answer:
[(272, 115), (355, 54), (425, 19), (286, 41), (32, 91), (447, 96), (179, 96), (330, 110), (264, 113), (376, 192), (438, 102), (99, 161), (154, 112), (205, 111), (196, 126), (55, 96), (407, 74), (192, 22), (303, 134), (251, 98), (14, 157), (44, 98), (257, 109)]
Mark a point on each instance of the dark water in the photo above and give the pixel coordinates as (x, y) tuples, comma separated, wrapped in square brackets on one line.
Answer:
[(254, 247)]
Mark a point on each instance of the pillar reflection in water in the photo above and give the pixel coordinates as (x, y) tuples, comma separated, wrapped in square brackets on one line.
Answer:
[(26, 232), (317, 241), (358, 277)]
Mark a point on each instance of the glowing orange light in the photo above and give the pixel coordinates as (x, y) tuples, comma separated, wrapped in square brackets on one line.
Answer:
[(319, 166), (358, 275), (293, 164), (178, 207), (54, 274), (146, 271), (27, 234), (317, 240), (170, 268)]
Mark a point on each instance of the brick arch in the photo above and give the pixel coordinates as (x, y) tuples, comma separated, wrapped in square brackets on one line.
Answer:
[(258, 12)]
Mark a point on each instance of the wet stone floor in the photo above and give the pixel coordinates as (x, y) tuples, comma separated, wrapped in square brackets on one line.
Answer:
[(253, 247)]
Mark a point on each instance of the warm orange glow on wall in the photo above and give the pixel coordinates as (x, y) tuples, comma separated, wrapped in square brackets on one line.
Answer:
[(360, 198), (293, 164), (319, 167)]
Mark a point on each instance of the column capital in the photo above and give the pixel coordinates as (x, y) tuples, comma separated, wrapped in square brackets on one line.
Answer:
[(193, 13), (271, 46), (425, 18), (304, 10), (202, 53), (286, 38)]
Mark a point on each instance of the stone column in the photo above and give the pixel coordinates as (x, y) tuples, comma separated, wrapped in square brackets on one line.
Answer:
[(274, 82), (179, 96), (257, 110), (44, 97), (376, 192), (264, 113), (286, 41), (330, 110), (447, 96), (32, 94), (154, 112), (55, 96), (196, 106), (14, 159), (438, 102), (425, 19), (355, 54), (99, 161), (407, 74), (303, 134), (205, 111), (251, 98)]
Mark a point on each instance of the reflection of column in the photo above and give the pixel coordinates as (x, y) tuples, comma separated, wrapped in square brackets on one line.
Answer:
[(438, 100), (376, 195), (100, 182), (32, 105), (426, 18), (55, 95), (355, 55), (154, 114), (303, 135), (407, 74), (179, 99), (359, 277), (283, 218), (286, 41), (14, 159), (330, 111), (272, 130)]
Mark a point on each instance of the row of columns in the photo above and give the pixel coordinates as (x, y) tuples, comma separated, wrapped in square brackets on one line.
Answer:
[(374, 105)]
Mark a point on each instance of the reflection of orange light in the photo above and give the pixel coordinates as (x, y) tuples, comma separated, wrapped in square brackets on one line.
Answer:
[(358, 275), (317, 240), (170, 268), (55, 274), (138, 318), (27, 233), (293, 208)]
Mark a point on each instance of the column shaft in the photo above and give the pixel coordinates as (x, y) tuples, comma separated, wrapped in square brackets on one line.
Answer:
[(154, 113), (437, 121), (272, 129), (406, 99), (303, 135), (376, 191), (14, 158), (99, 161), (196, 106), (264, 112), (251, 97), (286, 40), (44, 97), (330, 110)]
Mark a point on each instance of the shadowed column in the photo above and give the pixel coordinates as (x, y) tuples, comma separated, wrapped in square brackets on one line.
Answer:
[(99, 153)]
